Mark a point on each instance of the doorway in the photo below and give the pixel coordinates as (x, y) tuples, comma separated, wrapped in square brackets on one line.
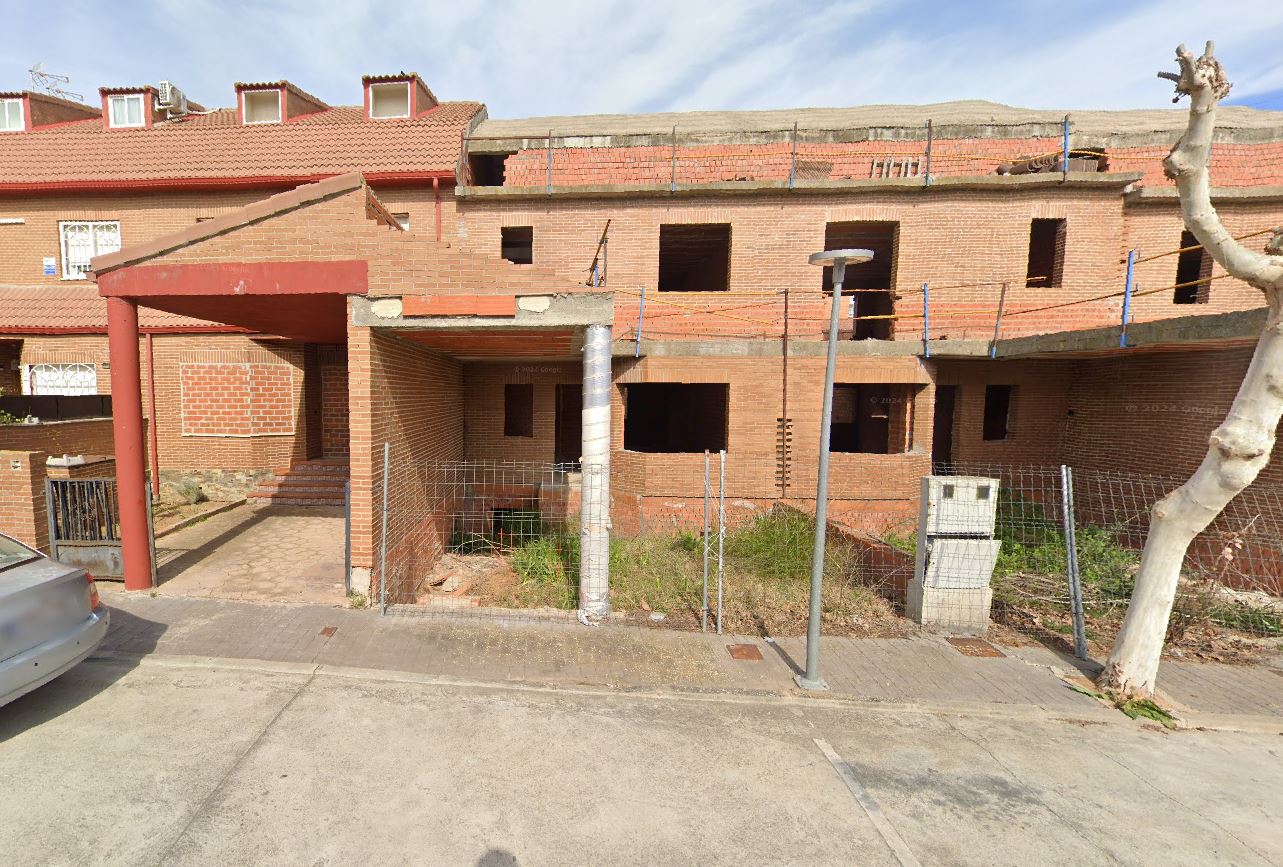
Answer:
[(942, 430), (568, 444)]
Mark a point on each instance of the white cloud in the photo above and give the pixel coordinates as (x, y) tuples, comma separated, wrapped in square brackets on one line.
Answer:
[(581, 56)]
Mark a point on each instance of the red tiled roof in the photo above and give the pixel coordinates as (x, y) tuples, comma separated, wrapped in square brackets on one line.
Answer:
[(215, 147), (76, 309)]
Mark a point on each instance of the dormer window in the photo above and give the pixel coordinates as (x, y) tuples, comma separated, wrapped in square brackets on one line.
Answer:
[(261, 106), (11, 115), (126, 110), (390, 99)]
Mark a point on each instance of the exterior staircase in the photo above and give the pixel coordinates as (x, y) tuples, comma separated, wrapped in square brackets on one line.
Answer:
[(319, 482)]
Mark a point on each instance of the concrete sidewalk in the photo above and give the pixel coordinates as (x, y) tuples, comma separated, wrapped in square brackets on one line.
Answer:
[(923, 671)]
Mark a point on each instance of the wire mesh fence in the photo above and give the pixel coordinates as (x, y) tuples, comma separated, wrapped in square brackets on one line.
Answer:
[(1024, 558)]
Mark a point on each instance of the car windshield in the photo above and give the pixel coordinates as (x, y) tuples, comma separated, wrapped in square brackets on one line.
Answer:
[(12, 553)]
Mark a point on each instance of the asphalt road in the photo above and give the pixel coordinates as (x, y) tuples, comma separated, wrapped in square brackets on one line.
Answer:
[(181, 762)]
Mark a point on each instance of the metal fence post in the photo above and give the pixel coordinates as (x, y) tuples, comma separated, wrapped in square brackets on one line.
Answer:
[(641, 321), (347, 537), (926, 320), (1071, 561), (1064, 153), (926, 176), (793, 158), (672, 182), (1127, 297), (383, 535), (721, 531), (703, 611), (548, 186)]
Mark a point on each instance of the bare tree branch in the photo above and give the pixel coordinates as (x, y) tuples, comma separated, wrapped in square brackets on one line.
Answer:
[(1203, 81), (1241, 446)]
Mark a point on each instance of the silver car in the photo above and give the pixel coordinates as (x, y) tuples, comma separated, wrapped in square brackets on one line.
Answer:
[(50, 618)]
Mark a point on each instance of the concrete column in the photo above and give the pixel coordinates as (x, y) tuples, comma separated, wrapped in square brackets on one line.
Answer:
[(594, 547), (127, 426)]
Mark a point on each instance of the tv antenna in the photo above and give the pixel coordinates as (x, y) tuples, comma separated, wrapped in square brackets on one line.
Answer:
[(51, 83)]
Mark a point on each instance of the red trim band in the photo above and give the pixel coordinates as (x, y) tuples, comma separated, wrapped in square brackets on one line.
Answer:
[(227, 183)]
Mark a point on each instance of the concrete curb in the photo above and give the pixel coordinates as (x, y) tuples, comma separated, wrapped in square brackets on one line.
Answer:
[(1086, 715), (196, 519)]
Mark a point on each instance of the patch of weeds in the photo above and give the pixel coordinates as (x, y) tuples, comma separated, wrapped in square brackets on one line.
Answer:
[(1147, 709), (357, 600), (190, 492)]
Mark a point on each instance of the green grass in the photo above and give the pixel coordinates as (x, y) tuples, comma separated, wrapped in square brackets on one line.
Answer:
[(766, 576)]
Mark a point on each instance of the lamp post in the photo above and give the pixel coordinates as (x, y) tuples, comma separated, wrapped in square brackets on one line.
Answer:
[(839, 259)]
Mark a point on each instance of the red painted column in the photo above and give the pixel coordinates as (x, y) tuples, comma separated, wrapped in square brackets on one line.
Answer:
[(127, 425)]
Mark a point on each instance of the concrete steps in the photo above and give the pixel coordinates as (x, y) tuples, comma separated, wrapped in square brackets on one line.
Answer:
[(319, 482)]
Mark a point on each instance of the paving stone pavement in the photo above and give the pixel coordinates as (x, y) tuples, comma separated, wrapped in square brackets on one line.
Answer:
[(257, 554), (923, 670)]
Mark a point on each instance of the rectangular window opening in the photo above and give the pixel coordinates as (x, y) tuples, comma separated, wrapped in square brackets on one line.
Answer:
[(11, 115), (997, 418), (487, 170), (872, 418), (390, 99), (871, 286), (1046, 253), (517, 244), (261, 106), (519, 410), (1193, 268), (695, 258), (675, 417), (402, 220), (82, 240), (126, 110)]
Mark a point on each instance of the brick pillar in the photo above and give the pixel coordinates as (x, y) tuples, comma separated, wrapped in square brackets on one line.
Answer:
[(127, 425), (23, 514)]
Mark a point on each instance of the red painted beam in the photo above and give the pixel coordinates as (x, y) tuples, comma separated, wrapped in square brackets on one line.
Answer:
[(127, 426), (261, 182), (237, 279)]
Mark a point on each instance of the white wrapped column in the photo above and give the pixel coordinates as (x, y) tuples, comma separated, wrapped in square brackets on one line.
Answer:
[(594, 548)]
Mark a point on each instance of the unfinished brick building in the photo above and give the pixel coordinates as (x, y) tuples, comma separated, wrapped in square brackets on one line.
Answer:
[(435, 292)]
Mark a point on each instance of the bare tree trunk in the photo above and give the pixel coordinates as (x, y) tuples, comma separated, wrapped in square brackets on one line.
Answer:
[(1240, 447)]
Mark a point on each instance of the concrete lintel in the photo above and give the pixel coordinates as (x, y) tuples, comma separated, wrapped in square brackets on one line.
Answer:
[(569, 310), (1095, 180), (743, 348), (1169, 195), (1211, 331)]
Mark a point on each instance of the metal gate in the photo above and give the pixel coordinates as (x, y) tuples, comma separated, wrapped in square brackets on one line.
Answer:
[(84, 525)]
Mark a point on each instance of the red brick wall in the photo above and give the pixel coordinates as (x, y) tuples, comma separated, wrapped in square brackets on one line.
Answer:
[(412, 398), (484, 409), (334, 410), (1038, 414), (224, 399), (22, 497), (76, 437), (948, 238), (144, 216), (1152, 413)]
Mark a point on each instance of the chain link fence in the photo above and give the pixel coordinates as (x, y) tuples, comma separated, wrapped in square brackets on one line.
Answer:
[(487, 538)]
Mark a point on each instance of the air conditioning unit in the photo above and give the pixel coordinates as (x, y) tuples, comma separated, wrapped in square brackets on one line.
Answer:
[(171, 99)]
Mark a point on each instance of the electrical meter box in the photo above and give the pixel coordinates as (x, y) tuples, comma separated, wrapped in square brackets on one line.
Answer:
[(956, 553), (958, 505)]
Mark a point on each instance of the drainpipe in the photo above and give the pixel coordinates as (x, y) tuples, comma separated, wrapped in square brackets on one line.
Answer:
[(127, 428), (436, 195), (152, 436), (594, 547)]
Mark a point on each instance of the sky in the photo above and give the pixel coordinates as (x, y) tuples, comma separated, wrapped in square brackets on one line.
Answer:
[(532, 58)]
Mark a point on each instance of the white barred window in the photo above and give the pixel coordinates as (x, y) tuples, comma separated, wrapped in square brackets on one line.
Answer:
[(83, 240), (65, 379)]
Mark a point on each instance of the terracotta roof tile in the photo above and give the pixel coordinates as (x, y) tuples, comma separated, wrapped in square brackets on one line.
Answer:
[(215, 146), (76, 308)]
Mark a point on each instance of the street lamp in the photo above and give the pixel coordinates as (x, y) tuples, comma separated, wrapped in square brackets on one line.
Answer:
[(839, 259)]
